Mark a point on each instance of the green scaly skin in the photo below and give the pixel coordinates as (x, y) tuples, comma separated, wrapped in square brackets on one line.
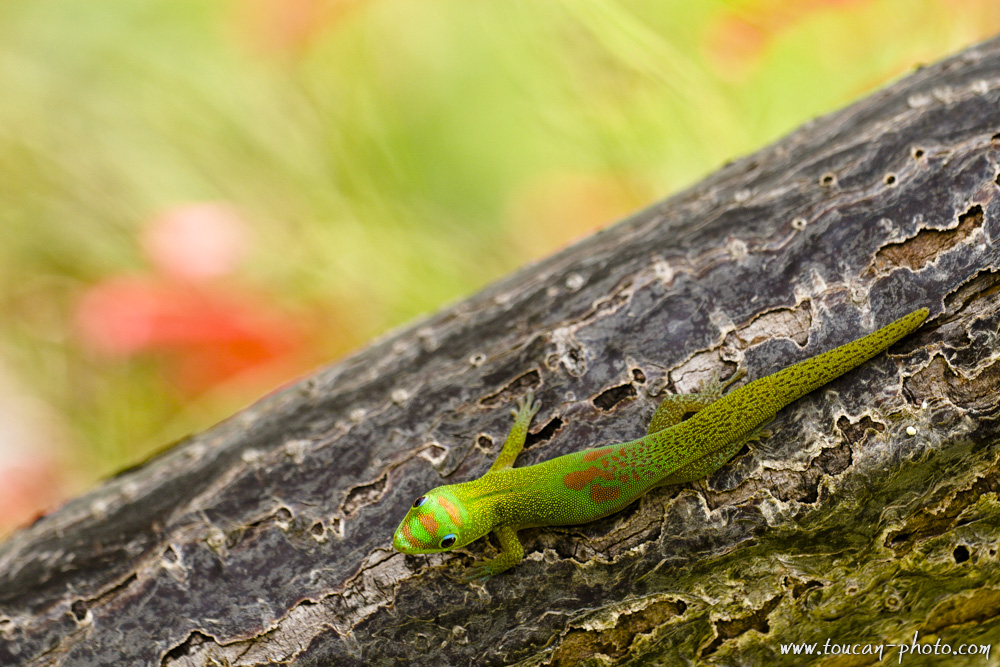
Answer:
[(593, 483)]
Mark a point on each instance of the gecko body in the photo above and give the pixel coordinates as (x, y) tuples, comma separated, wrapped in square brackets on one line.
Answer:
[(592, 483)]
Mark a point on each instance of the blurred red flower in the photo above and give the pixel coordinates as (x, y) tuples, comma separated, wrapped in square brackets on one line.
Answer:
[(207, 332), (32, 476), (207, 335), (27, 487)]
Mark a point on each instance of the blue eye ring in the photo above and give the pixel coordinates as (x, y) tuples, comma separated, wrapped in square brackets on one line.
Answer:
[(449, 540), (420, 501)]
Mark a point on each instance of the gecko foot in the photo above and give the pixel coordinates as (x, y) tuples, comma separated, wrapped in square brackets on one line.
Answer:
[(527, 406), (479, 572)]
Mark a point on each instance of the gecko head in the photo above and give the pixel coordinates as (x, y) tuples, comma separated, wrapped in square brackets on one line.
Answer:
[(436, 522)]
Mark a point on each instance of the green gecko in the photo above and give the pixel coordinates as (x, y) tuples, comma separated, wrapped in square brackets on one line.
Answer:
[(587, 485)]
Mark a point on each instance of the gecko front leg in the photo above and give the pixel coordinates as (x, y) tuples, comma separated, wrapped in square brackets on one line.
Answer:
[(511, 553), (527, 408)]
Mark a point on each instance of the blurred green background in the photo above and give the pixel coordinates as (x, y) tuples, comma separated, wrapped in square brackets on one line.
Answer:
[(201, 200)]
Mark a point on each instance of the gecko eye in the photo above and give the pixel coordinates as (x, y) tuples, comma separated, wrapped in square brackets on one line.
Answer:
[(420, 501), (448, 540)]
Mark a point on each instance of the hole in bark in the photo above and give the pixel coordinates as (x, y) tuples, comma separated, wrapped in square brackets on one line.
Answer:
[(530, 379), (828, 179), (614, 644), (485, 442), (899, 538), (799, 224), (995, 137), (939, 380), (973, 216), (928, 244), (917, 153), (734, 628), (638, 376), (317, 529), (997, 179), (233, 537), (810, 495), (129, 580), (575, 356), (365, 494), (194, 640), (170, 555), (890, 179), (792, 322), (984, 285), (834, 460), (857, 433), (800, 589), (546, 433), (961, 553), (609, 398), (283, 514), (79, 609)]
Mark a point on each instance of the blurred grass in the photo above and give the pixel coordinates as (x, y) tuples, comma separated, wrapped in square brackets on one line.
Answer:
[(386, 156)]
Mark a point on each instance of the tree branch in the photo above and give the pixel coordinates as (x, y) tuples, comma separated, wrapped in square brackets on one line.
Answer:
[(266, 538)]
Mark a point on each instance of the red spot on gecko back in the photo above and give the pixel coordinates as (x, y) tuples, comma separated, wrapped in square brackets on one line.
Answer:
[(603, 494), (594, 454), (579, 479)]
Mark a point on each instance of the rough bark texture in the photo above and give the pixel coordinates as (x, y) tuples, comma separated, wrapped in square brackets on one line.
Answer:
[(266, 538)]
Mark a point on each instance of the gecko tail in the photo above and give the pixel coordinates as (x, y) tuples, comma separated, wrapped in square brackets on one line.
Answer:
[(799, 379)]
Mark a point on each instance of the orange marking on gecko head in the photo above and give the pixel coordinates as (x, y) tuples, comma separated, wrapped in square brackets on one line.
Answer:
[(449, 507), (595, 454), (603, 494), (430, 523), (410, 537), (623, 478), (579, 480)]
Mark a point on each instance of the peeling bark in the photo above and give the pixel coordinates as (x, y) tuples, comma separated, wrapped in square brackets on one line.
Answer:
[(266, 538)]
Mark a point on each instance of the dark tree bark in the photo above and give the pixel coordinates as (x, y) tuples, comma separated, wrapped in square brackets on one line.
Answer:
[(266, 538)]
